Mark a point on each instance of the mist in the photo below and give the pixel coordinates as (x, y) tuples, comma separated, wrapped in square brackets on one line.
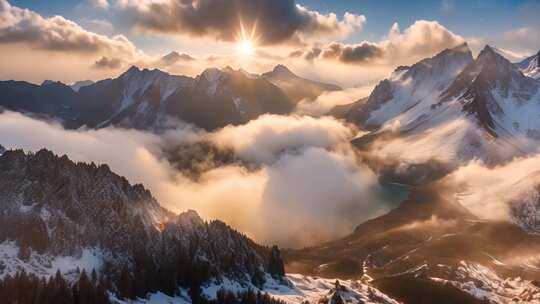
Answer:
[(328, 100), (508, 192), (303, 184)]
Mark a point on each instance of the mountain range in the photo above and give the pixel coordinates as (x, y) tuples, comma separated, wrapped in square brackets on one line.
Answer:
[(65, 221), (153, 99), (456, 107)]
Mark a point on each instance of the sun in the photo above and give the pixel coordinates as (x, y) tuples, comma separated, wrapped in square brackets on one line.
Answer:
[(246, 48)]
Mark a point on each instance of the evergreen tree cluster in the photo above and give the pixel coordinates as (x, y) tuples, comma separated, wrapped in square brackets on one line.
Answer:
[(23, 288), (148, 276)]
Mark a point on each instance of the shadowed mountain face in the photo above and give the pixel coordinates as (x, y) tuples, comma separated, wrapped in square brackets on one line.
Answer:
[(221, 97), (51, 99), (432, 246), (148, 99), (151, 99), (485, 85)]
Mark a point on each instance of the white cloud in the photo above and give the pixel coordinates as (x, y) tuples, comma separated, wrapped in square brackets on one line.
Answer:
[(509, 192), (23, 26), (305, 183), (328, 100), (103, 4), (420, 40)]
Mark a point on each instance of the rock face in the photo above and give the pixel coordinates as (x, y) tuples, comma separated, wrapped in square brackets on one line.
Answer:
[(492, 89), (53, 208), (51, 99)]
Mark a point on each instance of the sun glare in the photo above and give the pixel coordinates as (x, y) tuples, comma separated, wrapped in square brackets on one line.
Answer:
[(247, 40), (246, 48)]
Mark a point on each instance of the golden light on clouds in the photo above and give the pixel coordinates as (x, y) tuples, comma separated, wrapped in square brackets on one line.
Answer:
[(247, 39), (246, 48)]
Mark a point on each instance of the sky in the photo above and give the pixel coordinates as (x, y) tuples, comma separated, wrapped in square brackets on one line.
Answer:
[(351, 43)]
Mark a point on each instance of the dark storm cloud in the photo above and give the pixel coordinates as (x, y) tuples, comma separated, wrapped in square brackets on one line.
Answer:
[(363, 52), (360, 53), (107, 63), (275, 20)]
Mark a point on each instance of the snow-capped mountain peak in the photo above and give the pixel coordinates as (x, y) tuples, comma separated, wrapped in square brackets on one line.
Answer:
[(412, 89), (283, 71), (531, 66), (131, 71), (76, 86)]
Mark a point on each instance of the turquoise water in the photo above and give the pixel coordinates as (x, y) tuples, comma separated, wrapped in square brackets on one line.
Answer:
[(393, 194)]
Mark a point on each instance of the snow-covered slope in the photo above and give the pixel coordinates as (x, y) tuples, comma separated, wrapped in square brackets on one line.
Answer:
[(411, 87), (293, 289), (76, 86), (486, 109), (531, 66)]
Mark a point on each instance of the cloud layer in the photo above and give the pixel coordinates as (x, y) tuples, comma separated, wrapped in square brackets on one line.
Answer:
[(509, 192), (56, 34), (270, 21), (303, 184), (422, 39)]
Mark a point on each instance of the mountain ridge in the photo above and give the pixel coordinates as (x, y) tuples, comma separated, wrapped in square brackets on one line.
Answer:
[(53, 207)]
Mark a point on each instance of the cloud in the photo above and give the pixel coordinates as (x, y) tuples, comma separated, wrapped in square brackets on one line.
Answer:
[(509, 192), (262, 140), (422, 39), (515, 44), (300, 183), (57, 34), (103, 27), (328, 100), (103, 4), (358, 53), (519, 42), (108, 63), (271, 21), (447, 5)]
